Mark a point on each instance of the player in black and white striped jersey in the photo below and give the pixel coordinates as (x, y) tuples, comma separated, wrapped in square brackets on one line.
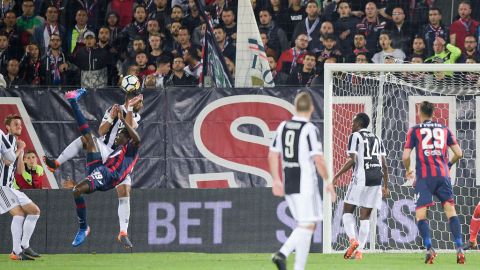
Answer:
[(367, 155), (298, 144), (108, 130), (25, 213)]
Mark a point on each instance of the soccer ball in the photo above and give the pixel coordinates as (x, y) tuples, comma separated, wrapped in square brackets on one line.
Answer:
[(130, 83)]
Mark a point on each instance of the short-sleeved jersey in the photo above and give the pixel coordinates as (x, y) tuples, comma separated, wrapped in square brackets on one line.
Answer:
[(298, 141), (109, 137), (7, 172), (121, 161), (369, 150), (6, 150), (431, 141)]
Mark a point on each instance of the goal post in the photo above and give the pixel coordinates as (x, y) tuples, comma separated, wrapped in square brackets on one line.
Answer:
[(389, 94)]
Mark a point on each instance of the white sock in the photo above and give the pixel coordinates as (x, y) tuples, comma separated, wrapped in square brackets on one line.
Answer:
[(363, 233), (28, 228), (17, 229), (123, 213), (71, 151), (303, 248), (291, 242), (349, 225)]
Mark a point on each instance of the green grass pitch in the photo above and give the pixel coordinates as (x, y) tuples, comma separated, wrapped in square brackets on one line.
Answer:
[(202, 261)]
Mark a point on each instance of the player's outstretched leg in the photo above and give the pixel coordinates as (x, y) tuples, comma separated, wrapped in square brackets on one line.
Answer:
[(84, 229), (474, 228), (71, 151)]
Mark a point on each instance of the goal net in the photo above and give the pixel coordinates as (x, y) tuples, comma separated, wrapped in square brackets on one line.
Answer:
[(389, 94)]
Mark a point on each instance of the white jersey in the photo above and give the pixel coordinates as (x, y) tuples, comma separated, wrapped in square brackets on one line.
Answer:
[(369, 150), (6, 150), (109, 138), (298, 141), (7, 172)]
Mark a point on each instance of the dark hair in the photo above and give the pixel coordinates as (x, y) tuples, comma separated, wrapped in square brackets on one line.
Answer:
[(266, 10), (219, 27), (8, 120), (387, 33), (312, 2), (427, 108), (226, 9), (360, 34), (363, 119), (344, 2), (178, 6), (471, 57), (470, 36), (416, 56), (184, 28), (310, 54), (435, 9), (192, 51), (465, 3), (163, 59)]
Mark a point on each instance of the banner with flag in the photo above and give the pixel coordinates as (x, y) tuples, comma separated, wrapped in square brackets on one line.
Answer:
[(215, 72), (251, 65)]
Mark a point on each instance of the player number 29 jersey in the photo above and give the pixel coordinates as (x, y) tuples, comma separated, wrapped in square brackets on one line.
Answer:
[(298, 141), (369, 150), (431, 141)]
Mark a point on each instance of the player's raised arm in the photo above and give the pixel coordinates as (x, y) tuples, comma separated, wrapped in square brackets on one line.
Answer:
[(133, 134), (131, 103), (108, 119)]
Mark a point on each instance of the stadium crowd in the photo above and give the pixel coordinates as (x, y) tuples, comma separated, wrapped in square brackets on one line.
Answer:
[(94, 43)]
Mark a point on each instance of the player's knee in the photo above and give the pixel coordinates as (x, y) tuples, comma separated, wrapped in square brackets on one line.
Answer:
[(476, 212), (307, 225), (76, 192), (17, 211)]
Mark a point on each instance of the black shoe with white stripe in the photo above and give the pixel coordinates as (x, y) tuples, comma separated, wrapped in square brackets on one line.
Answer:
[(30, 252), (279, 260)]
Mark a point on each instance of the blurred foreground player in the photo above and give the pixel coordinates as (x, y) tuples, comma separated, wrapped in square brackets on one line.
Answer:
[(431, 141), (108, 130), (106, 175), (298, 144), (24, 211)]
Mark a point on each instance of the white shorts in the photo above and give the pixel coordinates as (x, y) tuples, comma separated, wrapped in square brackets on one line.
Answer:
[(105, 151), (9, 198), (364, 196), (305, 208)]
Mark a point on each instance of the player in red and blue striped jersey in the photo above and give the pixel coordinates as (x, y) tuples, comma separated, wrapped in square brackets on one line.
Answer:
[(101, 176), (431, 141)]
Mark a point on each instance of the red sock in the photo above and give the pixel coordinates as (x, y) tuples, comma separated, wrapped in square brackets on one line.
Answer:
[(475, 224)]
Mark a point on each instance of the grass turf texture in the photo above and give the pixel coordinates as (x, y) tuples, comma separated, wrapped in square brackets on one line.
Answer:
[(201, 261)]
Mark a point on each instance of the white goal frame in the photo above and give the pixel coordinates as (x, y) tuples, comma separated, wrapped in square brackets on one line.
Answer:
[(329, 69)]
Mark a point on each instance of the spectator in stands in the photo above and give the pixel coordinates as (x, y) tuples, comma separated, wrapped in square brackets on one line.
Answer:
[(279, 78), (123, 9), (470, 50), (29, 173), (93, 62), (359, 43), (137, 28), (138, 46), (433, 29), (303, 75), (387, 50), (226, 46), (42, 34), (141, 60), (215, 10), (12, 76), (177, 14), (325, 29), (55, 62), (13, 33), (160, 12), (60, 5), (183, 42), (444, 54), (230, 68), (172, 38), (418, 48), (95, 12), (329, 50), (229, 24), (278, 12), (295, 14), (266, 45), (75, 36), (156, 50), (371, 26), (276, 36), (361, 58), (112, 23), (193, 63), (290, 58), (153, 27), (199, 34), (104, 42), (28, 21), (416, 60), (400, 29), (5, 52), (178, 77), (163, 69), (193, 19), (311, 24), (345, 27), (464, 26), (31, 66), (9, 5)]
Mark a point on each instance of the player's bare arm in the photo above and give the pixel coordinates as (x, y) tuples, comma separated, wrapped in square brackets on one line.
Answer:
[(457, 153), (385, 190), (322, 170), (20, 163), (130, 105), (410, 174), (105, 125), (133, 134), (347, 166), (277, 185)]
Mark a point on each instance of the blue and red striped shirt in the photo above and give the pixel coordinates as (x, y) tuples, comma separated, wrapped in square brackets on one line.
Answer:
[(121, 161), (431, 141)]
